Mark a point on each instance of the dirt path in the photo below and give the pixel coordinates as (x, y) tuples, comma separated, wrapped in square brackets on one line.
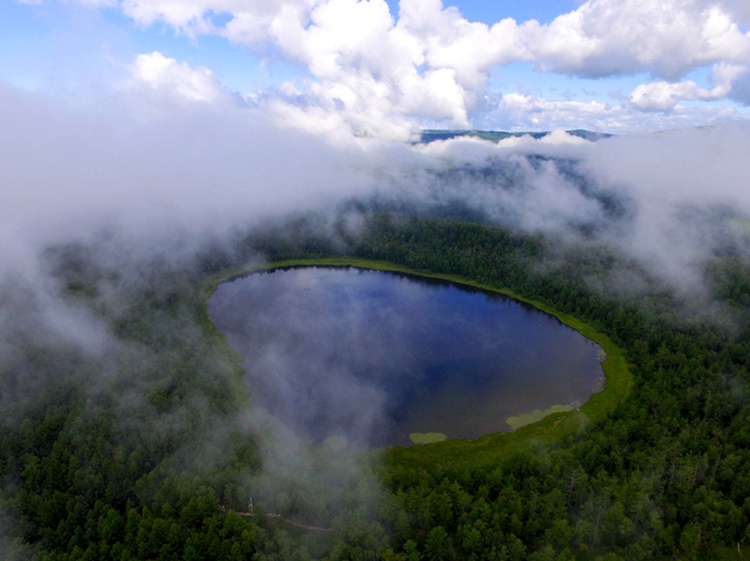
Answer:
[(279, 517)]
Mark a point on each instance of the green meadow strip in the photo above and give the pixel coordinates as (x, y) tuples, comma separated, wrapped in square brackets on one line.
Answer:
[(427, 437)]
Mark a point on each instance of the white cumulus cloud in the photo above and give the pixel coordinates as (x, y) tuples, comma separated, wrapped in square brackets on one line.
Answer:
[(384, 74), (667, 38), (165, 76), (664, 96)]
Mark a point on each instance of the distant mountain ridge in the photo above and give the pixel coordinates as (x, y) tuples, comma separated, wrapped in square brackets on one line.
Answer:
[(430, 135)]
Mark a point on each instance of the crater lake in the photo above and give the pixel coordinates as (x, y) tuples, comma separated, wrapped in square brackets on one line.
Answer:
[(361, 358)]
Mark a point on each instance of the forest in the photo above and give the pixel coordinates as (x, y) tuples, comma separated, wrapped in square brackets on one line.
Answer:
[(145, 450)]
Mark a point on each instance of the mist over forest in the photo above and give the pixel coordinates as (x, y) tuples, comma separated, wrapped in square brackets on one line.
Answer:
[(114, 223), (133, 183)]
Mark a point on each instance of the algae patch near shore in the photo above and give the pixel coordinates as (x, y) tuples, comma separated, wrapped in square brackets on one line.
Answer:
[(427, 437), (536, 416)]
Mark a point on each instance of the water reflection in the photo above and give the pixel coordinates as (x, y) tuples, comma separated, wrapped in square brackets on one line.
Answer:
[(373, 356)]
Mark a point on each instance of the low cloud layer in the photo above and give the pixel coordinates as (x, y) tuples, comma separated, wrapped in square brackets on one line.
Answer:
[(152, 159), (668, 200), (154, 166)]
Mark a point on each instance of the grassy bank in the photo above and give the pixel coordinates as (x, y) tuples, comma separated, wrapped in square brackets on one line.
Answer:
[(619, 379)]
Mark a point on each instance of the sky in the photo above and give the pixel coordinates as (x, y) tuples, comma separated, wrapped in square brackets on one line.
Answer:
[(389, 69)]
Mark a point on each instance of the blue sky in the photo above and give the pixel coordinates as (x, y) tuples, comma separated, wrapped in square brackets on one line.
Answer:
[(609, 65), (491, 11)]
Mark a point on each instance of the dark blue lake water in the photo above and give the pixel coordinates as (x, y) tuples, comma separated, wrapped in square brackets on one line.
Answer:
[(372, 357)]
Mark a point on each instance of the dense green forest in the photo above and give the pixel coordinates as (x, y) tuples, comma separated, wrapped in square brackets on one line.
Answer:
[(144, 450)]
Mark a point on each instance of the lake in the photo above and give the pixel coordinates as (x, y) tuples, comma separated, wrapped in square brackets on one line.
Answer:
[(368, 358)]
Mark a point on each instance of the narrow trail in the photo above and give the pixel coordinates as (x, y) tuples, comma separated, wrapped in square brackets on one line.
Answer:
[(279, 517)]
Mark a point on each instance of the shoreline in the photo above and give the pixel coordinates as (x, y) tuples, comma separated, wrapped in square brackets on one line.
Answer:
[(618, 380)]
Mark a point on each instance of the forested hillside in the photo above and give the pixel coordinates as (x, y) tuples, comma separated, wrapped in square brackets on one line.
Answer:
[(145, 451)]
